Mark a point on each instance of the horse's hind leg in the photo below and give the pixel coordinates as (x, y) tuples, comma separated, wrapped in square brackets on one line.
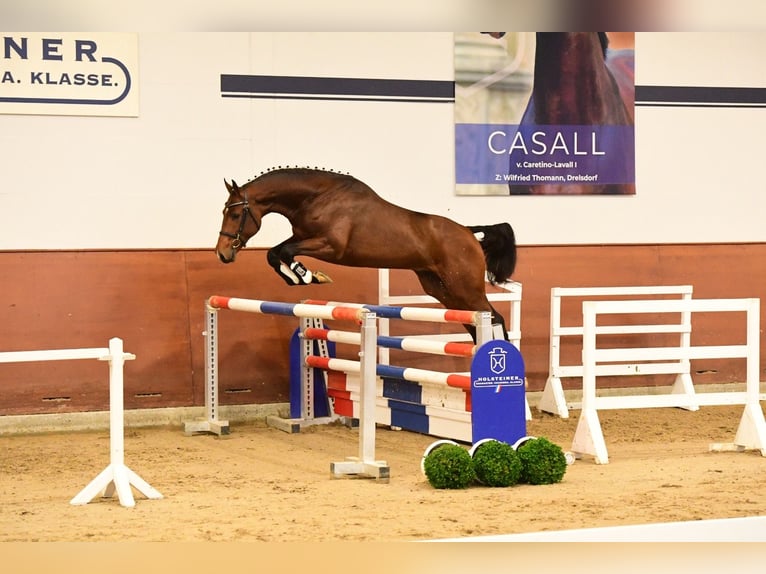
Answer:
[(282, 260), (457, 294)]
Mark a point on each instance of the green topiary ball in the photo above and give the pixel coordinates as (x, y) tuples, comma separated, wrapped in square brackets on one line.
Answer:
[(449, 466), (542, 462), (496, 464)]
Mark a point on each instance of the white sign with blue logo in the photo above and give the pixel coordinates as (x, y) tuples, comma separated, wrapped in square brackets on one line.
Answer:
[(62, 73), (498, 407)]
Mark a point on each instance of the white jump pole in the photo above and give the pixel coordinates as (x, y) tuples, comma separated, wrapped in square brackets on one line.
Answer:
[(116, 476)]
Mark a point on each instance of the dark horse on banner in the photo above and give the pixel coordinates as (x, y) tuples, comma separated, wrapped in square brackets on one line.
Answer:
[(338, 219), (579, 81)]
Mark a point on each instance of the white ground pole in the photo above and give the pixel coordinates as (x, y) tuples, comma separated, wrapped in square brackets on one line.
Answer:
[(116, 476), (553, 400), (751, 434)]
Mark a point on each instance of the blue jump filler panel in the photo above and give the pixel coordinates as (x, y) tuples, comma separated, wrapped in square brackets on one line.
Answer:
[(497, 393)]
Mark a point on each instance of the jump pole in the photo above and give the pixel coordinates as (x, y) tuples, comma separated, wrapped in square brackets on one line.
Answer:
[(310, 323), (364, 464), (496, 382), (481, 320)]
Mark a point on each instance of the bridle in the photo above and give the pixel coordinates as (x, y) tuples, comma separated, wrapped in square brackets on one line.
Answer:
[(238, 242)]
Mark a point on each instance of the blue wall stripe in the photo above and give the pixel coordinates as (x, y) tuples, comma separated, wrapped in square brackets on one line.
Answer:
[(700, 96), (441, 91), (308, 87)]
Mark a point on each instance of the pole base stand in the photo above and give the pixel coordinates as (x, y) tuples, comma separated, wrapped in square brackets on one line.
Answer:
[(213, 427), (378, 469), (116, 478)]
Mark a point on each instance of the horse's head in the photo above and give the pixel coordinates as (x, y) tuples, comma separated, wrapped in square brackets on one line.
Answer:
[(240, 223)]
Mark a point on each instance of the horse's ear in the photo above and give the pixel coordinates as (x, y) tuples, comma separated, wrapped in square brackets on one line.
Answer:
[(231, 187)]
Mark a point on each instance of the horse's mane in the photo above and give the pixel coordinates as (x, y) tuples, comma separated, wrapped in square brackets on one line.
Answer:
[(295, 170), (604, 39)]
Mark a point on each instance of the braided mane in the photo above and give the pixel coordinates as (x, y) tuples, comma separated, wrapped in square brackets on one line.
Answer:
[(295, 168)]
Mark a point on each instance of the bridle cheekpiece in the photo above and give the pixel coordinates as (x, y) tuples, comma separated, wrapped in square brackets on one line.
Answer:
[(238, 242)]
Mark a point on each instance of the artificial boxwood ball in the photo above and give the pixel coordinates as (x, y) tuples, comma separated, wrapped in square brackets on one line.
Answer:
[(542, 462), (497, 464), (449, 466)]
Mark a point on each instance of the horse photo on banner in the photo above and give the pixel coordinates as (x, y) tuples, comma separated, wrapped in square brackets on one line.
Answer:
[(544, 113)]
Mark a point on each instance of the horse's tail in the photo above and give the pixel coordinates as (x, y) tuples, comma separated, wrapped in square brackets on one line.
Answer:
[(499, 245)]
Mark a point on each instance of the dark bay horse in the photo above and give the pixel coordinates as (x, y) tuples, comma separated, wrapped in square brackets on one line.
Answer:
[(579, 81), (339, 219)]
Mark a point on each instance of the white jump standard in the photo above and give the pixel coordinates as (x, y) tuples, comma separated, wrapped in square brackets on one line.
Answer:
[(553, 399), (116, 477), (751, 433)]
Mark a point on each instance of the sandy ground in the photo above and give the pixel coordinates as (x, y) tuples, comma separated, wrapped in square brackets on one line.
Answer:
[(261, 484)]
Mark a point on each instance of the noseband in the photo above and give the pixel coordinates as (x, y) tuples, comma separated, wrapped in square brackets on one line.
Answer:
[(238, 242)]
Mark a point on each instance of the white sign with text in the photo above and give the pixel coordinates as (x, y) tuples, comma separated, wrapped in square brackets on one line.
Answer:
[(54, 73)]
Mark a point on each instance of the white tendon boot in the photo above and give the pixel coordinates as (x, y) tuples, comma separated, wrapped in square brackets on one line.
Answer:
[(285, 270), (303, 274)]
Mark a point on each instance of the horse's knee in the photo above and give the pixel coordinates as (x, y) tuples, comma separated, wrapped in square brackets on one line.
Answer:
[(272, 256), (285, 271)]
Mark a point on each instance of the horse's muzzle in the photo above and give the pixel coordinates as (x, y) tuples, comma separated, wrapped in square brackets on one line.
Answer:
[(225, 259)]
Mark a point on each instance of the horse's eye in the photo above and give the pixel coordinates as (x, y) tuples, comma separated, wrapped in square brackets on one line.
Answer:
[(233, 216)]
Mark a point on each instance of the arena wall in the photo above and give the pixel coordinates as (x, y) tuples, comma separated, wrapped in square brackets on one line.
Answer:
[(154, 300), (108, 223)]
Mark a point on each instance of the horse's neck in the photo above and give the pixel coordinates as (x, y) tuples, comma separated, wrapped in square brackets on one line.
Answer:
[(277, 195), (572, 84)]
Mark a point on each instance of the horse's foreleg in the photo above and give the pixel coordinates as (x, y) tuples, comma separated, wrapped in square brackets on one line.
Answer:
[(281, 268), (282, 260)]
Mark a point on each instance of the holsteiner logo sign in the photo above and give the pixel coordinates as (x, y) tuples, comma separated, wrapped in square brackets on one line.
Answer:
[(93, 74), (498, 396)]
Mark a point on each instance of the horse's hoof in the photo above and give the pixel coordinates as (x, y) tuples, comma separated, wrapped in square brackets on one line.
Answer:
[(320, 277)]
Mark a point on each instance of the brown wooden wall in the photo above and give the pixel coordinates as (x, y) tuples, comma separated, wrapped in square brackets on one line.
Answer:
[(154, 301)]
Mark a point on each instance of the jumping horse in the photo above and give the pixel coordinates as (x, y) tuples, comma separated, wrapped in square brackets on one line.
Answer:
[(338, 219), (578, 80)]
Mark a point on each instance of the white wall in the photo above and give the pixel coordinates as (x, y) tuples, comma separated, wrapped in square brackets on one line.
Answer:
[(156, 181)]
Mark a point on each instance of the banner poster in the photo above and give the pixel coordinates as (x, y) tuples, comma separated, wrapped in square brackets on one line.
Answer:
[(544, 113), (69, 74)]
